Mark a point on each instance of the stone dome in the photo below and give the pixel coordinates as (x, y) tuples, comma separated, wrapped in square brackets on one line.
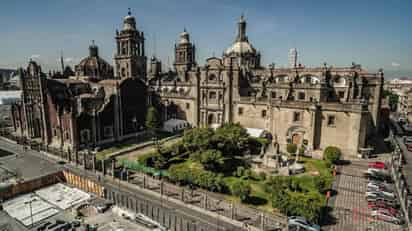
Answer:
[(94, 66), (184, 37), (241, 47), (129, 22)]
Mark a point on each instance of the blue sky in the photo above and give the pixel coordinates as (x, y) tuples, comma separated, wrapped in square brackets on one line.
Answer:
[(373, 33)]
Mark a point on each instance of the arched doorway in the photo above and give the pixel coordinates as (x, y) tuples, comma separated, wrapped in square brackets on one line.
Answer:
[(297, 138), (211, 119)]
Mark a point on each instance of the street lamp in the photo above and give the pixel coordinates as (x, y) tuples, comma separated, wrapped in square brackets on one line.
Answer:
[(31, 210), (217, 217)]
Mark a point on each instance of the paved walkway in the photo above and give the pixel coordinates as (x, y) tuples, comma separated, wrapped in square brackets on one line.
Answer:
[(350, 208)]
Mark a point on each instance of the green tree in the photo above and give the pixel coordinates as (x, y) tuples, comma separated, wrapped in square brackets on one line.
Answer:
[(242, 189), (197, 138), (291, 149), (231, 139), (211, 159), (160, 161), (240, 171), (332, 154), (152, 119)]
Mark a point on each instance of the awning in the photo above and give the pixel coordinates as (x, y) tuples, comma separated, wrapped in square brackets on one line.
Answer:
[(174, 125), (255, 132)]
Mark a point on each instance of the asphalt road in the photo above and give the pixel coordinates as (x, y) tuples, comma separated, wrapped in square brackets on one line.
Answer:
[(212, 220)]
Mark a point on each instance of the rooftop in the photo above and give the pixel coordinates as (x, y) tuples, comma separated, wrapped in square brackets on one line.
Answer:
[(24, 167)]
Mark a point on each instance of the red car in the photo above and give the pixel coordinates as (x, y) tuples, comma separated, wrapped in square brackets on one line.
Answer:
[(377, 165), (390, 211), (409, 147), (382, 206)]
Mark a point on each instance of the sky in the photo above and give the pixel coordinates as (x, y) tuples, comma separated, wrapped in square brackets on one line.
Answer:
[(376, 34)]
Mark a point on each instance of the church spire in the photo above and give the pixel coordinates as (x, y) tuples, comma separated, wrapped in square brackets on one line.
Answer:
[(62, 61)]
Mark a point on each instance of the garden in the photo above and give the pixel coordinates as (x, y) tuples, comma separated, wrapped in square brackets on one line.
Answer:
[(216, 160)]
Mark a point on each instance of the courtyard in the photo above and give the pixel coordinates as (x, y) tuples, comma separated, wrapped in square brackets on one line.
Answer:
[(219, 161)]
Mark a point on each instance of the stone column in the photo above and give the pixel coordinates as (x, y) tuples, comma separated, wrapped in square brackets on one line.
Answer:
[(205, 201), (103, 167), (76, 157), (113, 167), (94, 162), (84, 160), (232, 211)]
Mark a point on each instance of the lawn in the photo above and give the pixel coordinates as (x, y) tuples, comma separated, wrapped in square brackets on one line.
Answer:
[(315, 165)]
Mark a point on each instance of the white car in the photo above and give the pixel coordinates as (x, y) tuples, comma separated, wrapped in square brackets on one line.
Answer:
[(385, 216), (382, 195), (378, 171), (300, 223), (379, 186)]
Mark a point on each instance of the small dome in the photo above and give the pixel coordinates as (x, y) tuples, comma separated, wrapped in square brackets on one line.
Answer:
[(184, 37), (129, 22), (241, 47)]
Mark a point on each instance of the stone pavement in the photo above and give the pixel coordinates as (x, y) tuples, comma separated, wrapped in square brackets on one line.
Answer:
[(350, 208)]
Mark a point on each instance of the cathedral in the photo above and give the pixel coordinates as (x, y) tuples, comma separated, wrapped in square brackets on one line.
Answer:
[(100, 105)]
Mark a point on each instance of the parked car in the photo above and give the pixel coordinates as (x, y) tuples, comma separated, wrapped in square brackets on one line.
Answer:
[(379, 204), (409, 147), (380, 185), (389, 210), (378, 175), (385, 216), (300, 223), (387, 202), (374, 188), (407, 139), (377, 165), (383, 193)]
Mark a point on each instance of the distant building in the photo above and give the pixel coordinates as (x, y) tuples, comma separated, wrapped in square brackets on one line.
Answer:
[(312, 107), (5, 76), (293, 58)]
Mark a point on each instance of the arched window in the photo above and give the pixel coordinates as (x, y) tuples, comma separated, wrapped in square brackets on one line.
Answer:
[(124, 72), (212, 77)]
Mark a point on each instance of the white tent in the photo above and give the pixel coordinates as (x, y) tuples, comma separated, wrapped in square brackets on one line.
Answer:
[(255, 132), (9, 97), (174, 125)]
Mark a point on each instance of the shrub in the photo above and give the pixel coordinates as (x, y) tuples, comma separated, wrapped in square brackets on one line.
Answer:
[(332, 154), (147, 159), (247, 174), (291, 149), (241, 189), (262, 176), (240, 171), (199, 177), (302, 150)]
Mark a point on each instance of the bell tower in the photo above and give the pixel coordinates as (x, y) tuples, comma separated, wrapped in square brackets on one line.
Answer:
[(184, 53), (130, 59)]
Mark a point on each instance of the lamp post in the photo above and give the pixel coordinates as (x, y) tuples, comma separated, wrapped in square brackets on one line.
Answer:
[(218, 215), (31, 210)]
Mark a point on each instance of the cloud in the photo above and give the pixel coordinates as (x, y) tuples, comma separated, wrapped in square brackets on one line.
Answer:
[(35, 56), (395, 64)]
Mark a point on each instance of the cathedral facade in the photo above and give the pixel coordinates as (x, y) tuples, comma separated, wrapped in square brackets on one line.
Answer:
[(98, 106), (315, 107)]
